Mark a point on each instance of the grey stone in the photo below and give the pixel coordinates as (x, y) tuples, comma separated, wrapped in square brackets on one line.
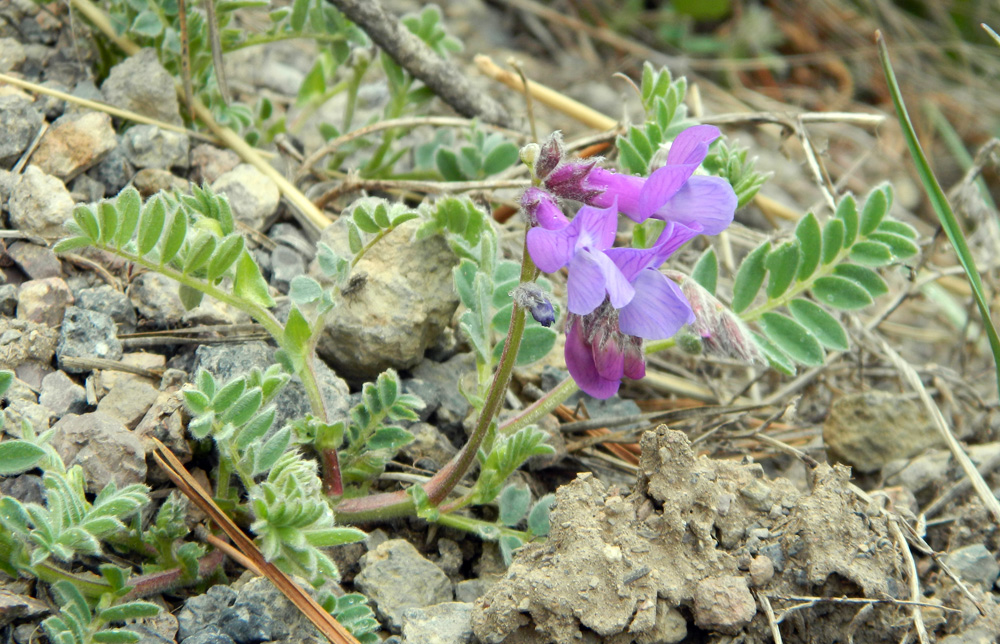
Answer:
[(114, 172), (974, 564), (128, 401), (19, 122), (253, 196), (44, 301), (24, 341), (670, 626), (87, 334), (40, 204), (141, 84), (150, 181), (12, 55), (469, 590), (101, 446), (62, 395), (148, 146), (396, 577), (107, 300), (447, 623), (435, 384), (26, 488), (868, 430), (919, 473), (723, 604), (37, 262), (208, 162), (8, 300), (75, 143), (225, 361), (155, 296), (430, 448), (256, 613), (86, 189), (18, 411), (405, 301), (286, 264)]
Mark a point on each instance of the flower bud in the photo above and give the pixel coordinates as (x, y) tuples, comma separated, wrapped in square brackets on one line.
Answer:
[(542, 210), (550, 155), (569, 181), (529, 154), (532, 298)]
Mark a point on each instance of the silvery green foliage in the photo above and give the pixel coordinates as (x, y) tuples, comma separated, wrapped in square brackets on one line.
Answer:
[(484, 283), (354, 614), (640, 150), (516, 508), (479, 156), (506, 455), (77, 623), (291, 517), (834, 264)]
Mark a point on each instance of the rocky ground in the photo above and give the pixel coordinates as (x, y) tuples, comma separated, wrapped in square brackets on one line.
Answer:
[(716, 536)]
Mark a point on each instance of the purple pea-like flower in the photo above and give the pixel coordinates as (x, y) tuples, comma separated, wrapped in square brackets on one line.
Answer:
[(581, 245), (606, 345), (671, 193)]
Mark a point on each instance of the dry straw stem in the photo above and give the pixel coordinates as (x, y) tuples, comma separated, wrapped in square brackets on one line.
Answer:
[(910, 376), (911, 572), (103, 107), (228, 137), (325, 622)]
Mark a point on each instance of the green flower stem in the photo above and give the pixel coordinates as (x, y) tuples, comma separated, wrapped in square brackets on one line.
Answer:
[(477, 526), (264, 39), (394, 504), (259, 313), (92, 586), (160, 582), (376, 239), (541, 407)]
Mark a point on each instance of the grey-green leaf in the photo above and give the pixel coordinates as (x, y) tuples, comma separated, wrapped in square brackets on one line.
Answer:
[(229, 251), (175, 237), (782, 264), (841, 293), (154, 213), (364, 221), (774, 355), (706, 271), (824, 326), (108, 215), (874, 210), (17, 456), (810, 245), (87, 221), (902, 247), (897, 228), (200, 252), (500, 158), (750, 277), (514, 501), (871, 253), (865, 277), (833, 240), (847, 212), (792, 338), (129, 204)]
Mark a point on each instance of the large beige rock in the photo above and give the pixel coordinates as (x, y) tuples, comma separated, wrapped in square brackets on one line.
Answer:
[(403, 297), (74, 144)]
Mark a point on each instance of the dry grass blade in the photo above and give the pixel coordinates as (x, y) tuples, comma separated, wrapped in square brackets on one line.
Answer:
[(910, 375), (911, 573), (325, 622)]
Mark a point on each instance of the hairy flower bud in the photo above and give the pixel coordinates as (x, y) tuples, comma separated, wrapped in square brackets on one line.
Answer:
[(722, 332), (532, 298), (570, 181), (550, 155), (542, 210)]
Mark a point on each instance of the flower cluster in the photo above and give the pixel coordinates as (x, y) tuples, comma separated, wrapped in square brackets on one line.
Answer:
[(617, 297)]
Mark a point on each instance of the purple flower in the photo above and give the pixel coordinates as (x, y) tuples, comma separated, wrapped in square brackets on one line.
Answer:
[(671, 193), (605, 345), (542, 210), (581, 245)]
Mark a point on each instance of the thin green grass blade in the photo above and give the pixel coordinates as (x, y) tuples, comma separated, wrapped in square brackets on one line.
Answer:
[(940, 203)]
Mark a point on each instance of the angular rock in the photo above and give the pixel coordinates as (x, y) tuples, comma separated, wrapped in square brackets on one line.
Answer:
[(8, 300), (149, 181), (103, 447), (141, 84), (868, 430), (430, 448), (18, 411), (447, 623), (225, 361), (208, 162), (112, 302), (723, 604), (23, 341), (148, 146), (128, 401), (253, 196), (157, 298), (435, 384), (87, 334), (19, 123), (975, 565), (62, 395), (44, 301), (74, 144), (404, 302), (396, 577), (37, 262), (12, 55), (40, 204), (286, 264), (114, 172)]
